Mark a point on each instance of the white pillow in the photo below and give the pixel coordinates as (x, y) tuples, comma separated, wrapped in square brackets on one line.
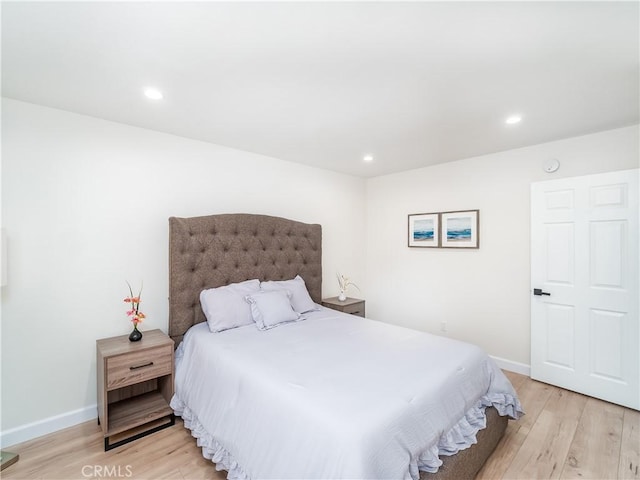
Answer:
[(271, 308), (225, 307), (300, 298)]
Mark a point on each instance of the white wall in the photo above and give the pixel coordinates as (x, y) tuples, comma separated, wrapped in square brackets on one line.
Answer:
[(483, 295), (85, 204)]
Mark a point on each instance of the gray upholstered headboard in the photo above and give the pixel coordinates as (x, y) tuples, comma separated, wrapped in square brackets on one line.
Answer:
[(216, 250)]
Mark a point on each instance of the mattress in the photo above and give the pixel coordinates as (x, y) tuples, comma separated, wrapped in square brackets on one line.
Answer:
[(334, 396)]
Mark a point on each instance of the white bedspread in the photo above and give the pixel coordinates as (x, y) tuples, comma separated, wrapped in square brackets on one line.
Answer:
[(334, 396)]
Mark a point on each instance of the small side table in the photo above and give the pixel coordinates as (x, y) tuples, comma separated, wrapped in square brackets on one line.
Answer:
[(7, 459), (135, 386), (354, 306)]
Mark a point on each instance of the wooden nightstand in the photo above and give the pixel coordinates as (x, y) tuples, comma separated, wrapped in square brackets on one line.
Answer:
[(135, 386), (354, 306)]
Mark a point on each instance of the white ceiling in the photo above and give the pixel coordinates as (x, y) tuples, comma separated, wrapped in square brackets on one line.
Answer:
[(413, 84)]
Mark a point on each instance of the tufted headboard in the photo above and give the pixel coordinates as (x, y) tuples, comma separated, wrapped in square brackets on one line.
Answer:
[(216, 250)]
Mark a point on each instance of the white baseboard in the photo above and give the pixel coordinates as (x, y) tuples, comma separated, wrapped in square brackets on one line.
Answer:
[(512, 366), (48, 425)]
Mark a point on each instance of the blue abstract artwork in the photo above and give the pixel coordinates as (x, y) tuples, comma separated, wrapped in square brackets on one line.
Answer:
[(423, 230), (459, 229)]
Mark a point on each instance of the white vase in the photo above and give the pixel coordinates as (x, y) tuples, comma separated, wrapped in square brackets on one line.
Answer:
[(342, 297)]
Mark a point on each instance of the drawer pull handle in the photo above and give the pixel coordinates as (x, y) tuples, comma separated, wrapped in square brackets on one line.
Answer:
[(141, 366)]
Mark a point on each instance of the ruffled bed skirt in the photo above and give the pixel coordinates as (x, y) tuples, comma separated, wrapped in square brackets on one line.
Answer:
[(461, 436), (211, 449)]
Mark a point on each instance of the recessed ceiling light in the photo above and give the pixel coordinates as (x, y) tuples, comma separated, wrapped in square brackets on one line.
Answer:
[(153, 93), (368, 158), (513, 119)]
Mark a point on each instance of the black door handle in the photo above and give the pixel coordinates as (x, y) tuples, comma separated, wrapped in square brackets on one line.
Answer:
[(538, 291)]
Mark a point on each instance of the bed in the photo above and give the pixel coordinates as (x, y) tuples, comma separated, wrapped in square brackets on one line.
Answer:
[(328, 396)]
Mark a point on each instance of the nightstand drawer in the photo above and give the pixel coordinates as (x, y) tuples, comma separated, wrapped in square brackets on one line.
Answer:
[(355, 309), (135, 367)]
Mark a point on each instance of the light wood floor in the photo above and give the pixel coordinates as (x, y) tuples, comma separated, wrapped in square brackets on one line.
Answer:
[(563, 435)]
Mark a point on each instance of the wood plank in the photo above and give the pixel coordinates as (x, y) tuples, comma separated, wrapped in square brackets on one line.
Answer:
[(49, 456), (505, 452), (629, 466), (545, 449), (204, 472), (516, 379), (533, 396), (594, 452), (161, 474)]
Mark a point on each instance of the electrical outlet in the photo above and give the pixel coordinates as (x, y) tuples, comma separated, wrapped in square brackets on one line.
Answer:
[(443, 326)]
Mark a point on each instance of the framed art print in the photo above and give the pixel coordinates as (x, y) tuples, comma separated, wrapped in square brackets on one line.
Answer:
[(424, 230), (460, 229)]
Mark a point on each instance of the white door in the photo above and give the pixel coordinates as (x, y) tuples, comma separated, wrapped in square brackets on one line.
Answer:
[(585, 332)]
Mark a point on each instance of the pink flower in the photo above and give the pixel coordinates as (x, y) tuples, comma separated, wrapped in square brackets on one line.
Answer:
[(135, 313)]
